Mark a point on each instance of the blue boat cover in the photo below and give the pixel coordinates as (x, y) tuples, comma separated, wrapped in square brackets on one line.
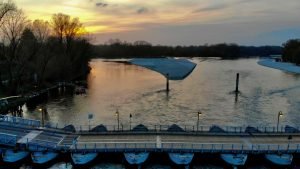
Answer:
[(175, 69)]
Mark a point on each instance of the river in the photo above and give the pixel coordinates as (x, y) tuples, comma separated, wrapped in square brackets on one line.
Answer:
[(140, 92), (209, 88)]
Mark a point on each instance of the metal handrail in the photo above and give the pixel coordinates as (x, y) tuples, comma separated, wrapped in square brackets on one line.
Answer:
[(20, 120), (8, 139), (129, 128), (185, 128), (188, 147)]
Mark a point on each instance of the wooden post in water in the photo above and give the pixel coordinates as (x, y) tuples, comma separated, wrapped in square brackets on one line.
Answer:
[(167, 87), (237, 83)]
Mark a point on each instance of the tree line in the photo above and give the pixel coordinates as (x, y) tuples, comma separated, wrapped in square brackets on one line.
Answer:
[(116, 48), (40, 52), (291, 51)]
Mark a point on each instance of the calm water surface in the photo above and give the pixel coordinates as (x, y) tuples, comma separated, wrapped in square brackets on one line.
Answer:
[(140, 92)]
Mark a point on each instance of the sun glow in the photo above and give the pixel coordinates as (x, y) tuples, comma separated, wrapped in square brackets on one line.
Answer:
[(117, 16)]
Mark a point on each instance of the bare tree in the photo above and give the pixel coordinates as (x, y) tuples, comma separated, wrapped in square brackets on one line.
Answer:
[(13, 25), (68, 30), (5, 7), (41, 30)]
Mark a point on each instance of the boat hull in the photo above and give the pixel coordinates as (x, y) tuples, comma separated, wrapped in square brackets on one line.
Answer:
[(43, 157), (181, 158), (235, 159), (12, 156), (136, 158), (83, 158), (283, 159)]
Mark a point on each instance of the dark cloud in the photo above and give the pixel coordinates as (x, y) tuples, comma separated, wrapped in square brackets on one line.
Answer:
[(223, 6), (101, 4), (142, 10), (211, 8)]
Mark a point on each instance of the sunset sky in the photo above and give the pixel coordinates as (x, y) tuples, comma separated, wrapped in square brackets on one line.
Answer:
[(178, 22)]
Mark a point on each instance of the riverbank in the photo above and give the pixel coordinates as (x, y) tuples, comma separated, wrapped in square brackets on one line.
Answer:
[(32, 98), (288, 67)]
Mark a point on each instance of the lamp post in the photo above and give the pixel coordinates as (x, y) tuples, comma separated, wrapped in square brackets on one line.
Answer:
[(279, 115), (130, 116), (42, 110), (198, 114), (90, 117), (118, 119)]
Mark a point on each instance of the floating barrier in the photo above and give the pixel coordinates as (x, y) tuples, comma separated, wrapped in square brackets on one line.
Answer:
[(70, 128), (99, 128), (235, 159), (140, 127), (290, 129), (136, 158), (181, 158), (280, 159), (83, 158), (12, 156), (251, 129), (43, 157)]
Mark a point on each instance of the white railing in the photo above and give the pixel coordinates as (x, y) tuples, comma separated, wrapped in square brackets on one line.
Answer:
[(194, 147), (8, 139), (20, 120)]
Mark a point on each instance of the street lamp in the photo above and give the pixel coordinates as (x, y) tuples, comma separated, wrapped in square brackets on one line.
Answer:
[(118, 119), (90, 117), (279, 115), (198, 114), (42, 110)]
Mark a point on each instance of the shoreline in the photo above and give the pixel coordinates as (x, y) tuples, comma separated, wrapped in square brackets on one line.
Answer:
[(284, 66)]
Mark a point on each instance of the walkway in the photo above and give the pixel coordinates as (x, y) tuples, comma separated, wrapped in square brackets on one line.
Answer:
[(259, 143), (26, 134)]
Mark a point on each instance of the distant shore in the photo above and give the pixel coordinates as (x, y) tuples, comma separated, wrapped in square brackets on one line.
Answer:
[(288, 67)]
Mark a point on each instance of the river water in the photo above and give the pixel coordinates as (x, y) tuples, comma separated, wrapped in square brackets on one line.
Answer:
[(209, 88)]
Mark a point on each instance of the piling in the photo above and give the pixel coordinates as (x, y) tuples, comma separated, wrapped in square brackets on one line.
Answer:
[(237, 83), (167, 87)]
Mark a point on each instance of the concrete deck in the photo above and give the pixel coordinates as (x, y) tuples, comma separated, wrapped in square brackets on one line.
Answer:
[(217, 143)]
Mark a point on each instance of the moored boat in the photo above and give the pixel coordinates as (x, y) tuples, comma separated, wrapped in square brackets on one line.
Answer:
[(235, 159), (136, 158), (83, 158), (43, 157), (12, 156), (181, 158), (280, 159)]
